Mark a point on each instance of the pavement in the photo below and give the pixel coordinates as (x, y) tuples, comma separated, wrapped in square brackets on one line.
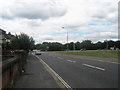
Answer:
[(35, 76)]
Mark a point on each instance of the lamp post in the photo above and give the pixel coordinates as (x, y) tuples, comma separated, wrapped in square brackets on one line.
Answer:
[(74, 46), (67, 38), (106, 44)]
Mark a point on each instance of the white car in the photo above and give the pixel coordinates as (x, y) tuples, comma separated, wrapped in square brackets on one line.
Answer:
[(37, 52)]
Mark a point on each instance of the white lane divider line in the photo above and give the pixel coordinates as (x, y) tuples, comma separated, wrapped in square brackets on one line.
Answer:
[(59, 58), (101, 60), (94, 67), (71, 61)]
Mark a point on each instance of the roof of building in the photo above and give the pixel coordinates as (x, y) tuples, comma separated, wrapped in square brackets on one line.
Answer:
[(1, 30), (8, 36)]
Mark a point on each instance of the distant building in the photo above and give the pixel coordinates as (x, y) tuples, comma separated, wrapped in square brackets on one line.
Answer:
[(5, 38), (2, 36), (8, 37)]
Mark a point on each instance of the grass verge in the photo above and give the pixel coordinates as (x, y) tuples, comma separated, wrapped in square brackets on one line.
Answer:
[(95, 53)]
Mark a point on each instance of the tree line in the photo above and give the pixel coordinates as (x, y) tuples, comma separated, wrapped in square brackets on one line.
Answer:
[(24, 42), (86, 44)]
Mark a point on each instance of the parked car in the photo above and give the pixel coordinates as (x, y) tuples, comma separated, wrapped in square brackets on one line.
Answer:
[(37, 52), (82, 49)]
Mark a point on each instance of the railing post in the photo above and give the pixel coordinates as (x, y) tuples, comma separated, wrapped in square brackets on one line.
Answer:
[(18, 55), (22, 55)]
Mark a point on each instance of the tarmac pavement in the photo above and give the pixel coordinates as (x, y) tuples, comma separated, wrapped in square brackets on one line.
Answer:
[(35, 76)]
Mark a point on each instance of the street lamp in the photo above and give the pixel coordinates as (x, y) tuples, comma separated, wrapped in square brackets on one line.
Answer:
[(74, 46), (67, 38), (106, 44)]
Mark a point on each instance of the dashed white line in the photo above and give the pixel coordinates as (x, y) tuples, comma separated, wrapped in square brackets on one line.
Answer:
[(101, 60), (74, 61), (59, 57), (71, 61), (94, 67)]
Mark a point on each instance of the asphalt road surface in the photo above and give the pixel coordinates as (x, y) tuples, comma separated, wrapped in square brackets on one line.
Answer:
[(84, 72)]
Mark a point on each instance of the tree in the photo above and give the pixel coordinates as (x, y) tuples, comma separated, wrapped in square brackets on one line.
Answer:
[(32, 43), (99, 45), (77, 45), (14, 44), (117, 44), (111, 44), (37, 46), (40, 47), (55, 46), (22, 42), (86, 44), (71, 45)]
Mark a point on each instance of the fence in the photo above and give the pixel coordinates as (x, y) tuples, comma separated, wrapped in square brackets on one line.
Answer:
[(12, 68), (6, 54)]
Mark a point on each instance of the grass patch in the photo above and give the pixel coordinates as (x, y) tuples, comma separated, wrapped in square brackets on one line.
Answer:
[(95, 53)]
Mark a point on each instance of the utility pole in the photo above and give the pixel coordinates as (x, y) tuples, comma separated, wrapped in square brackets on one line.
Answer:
[(107, 44), (74, 46), (67, 39)]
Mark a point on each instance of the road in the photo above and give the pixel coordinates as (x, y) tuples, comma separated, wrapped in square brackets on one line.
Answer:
[(83, 72)]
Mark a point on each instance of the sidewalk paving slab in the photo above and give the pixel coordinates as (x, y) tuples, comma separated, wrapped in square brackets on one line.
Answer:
[(35, 76)]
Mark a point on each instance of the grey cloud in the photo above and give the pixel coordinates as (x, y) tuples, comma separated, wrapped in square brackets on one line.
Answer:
[(33, 23), (6, 17), (74, 26), (36, 10), (99, 15), (112, 36), (104, 14), (101, 36), (6, 14), (49, 38)]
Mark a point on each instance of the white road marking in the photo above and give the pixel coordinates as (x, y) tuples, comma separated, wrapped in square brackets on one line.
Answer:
[(54, 74), (74, 61), (94, 67), (101, 60), (59, 57), (71, 61)]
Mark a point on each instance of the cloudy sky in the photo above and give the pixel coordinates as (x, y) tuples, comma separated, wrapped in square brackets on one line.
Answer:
[(95, 20)]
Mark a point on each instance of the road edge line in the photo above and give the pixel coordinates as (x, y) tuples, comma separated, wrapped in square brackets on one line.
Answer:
[(54, 74)]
